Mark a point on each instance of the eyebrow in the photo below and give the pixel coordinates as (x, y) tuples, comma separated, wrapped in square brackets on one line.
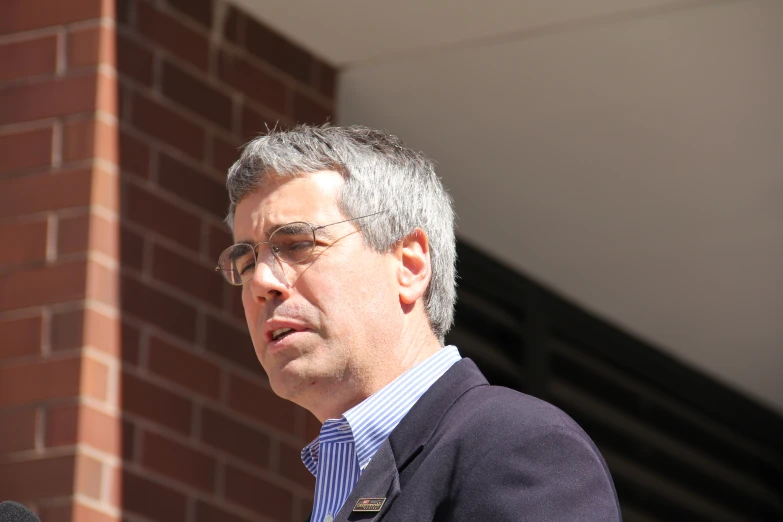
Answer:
[(275, 226)]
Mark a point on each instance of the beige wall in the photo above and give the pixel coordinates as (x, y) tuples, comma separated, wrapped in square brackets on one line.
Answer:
[(634, 163)]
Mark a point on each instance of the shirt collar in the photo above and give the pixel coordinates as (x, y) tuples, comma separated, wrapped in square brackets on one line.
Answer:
[(371, 421)]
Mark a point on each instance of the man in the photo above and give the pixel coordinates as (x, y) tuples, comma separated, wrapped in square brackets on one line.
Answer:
[(345, 252)]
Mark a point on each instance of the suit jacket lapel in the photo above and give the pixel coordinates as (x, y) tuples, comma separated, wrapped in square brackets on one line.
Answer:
[(379, 480), (381, 477)]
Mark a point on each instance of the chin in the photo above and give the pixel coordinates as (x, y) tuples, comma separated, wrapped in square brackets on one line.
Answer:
[(290, 382)]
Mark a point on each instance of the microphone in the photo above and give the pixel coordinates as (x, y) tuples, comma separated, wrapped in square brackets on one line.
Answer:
[(11, 511)]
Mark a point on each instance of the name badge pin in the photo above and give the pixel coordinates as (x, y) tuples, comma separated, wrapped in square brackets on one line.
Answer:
[(369, 504)]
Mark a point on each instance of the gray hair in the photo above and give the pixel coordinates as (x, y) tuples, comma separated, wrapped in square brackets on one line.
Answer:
[(380, 173)]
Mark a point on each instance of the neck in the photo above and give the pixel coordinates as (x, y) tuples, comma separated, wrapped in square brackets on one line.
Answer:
[(418, 345)]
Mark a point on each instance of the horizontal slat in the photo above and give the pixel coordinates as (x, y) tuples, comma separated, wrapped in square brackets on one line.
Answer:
[(498, 367), (659, 370), (667, 457), (662, 411)]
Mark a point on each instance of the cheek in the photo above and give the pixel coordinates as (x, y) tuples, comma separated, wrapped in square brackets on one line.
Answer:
[(365, 292)]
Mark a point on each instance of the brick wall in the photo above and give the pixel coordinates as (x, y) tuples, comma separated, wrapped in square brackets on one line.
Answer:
[(59, 273), (128, 384)]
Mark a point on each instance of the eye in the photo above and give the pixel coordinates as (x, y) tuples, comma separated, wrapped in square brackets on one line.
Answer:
[(294, 249), (247, 266), (300, 245)]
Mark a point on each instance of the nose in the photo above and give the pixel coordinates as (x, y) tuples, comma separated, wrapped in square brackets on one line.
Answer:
[(269, 280)]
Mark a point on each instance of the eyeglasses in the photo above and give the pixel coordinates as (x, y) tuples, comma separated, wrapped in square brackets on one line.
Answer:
[(292, 244)]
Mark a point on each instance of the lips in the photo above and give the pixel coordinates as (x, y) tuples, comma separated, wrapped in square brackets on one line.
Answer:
[(281, 332), (277, 329)]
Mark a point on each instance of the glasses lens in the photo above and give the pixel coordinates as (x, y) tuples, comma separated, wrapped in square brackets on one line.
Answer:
[(237, 263), (293, 243)]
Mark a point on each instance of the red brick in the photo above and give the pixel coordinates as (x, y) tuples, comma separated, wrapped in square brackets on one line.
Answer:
[(131, 337), (47, 192), (235, 305), (128, 440), (28, 58), (155, 213), (94, 379), (210, 513), (199, 10), (152, 402), (50, 99), (219, 238), (104, 237), (87, 139), (123, 97), (103, 332), (232, 344), (57, 513), (43, 286), (19, 427), (235, 438), (88, 232), (134, 156), (255, 124), (312, 427), (260, 403), (178, 461), (224, 153), (123, 12), (91, 46), (196, 95), (103, 284), (62, 425), (105, 190), (306, 505), (20, 337), (252, 81), (25, 15), (67, 330), (278, 51), (133, 60), (164, 124), (23, 242), (108, 94), (291, 467), (192, 185), (88, 477), (234, 25), (307, 110), (174, 36), (148, 304), (131, 249), (38, 478), (39, 381), (152, 500), (85, 327), (73, 423), (73, 234), (114, 486), (184, 368), (25, 150), (260, 495), (73, 512)]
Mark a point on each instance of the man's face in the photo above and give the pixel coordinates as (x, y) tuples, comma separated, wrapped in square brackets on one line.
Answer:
[(342, 304)]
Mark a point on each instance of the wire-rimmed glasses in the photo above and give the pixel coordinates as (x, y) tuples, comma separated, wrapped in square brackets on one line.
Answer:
[(291, 243)]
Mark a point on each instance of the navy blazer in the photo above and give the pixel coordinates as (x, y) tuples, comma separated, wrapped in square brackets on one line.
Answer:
[(468, 452)]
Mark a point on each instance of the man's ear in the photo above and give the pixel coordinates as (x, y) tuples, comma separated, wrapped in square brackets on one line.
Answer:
[(413, 254)]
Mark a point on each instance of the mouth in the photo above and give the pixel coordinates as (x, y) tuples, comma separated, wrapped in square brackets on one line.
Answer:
[(281, 333)]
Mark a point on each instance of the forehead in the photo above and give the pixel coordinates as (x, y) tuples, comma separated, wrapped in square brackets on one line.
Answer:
[(309, 197)]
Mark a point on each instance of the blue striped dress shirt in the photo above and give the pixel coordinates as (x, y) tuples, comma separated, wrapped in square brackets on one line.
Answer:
[(346, 445)]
